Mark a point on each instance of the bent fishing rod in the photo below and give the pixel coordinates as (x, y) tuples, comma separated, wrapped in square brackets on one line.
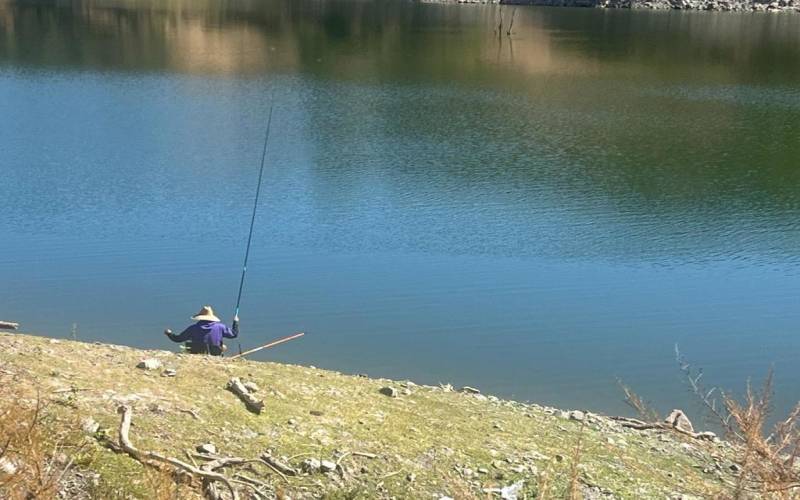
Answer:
[(255, 209)]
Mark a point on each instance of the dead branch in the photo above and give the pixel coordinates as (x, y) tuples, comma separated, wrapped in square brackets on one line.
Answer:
[(190, 412), (633, 423), (251, 402), (147, 457), (279, 467), (8, 325)]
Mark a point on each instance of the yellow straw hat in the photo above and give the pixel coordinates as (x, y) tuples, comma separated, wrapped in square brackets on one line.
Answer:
[(206, 314)]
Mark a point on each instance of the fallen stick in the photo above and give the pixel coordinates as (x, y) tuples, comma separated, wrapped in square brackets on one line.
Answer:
[(149, 456), (281, 468), (251, 402), (8, 325), (271, 344), (639, 425)]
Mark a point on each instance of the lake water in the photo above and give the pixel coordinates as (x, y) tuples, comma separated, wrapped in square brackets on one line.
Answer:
[(534, 215)]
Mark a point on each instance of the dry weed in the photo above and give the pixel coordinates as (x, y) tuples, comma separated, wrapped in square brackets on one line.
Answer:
[(32, 458)]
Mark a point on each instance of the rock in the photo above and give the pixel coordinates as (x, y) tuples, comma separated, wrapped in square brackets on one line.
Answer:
[(311, 465), (149, 364), (207, 448), (707, 435), (482, 470), (169, 372), (411, 477), (291, 421), (8, 466), (467, 472), (156, 408), (251, 386), (510, 492), (316, 413), (89, 426), (577, 415), (389, 391), (327, 466), (480, 397), (679, 420), (470, 390)]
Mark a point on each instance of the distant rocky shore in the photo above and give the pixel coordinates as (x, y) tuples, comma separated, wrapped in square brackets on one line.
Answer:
[(708, 5)]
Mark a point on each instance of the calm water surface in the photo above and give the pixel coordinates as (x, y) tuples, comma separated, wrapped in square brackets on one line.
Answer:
[(534, 215)]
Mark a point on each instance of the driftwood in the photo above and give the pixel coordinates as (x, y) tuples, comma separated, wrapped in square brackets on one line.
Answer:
[(8, 325), (281, 468), (149, 457), (252, 403), (640, 425)]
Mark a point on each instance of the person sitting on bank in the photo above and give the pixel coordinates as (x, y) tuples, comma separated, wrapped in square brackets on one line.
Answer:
[(206, 336)]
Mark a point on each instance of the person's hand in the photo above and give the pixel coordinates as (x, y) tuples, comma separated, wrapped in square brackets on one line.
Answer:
[(167, 332)]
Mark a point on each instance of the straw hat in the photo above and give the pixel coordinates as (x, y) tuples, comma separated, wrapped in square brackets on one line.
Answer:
[(206, 314)]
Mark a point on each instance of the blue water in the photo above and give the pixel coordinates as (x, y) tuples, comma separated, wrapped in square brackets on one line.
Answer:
[(535, 217)]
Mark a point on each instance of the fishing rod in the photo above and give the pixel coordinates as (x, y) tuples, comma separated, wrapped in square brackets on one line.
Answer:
[(255, 209), (270, 344)]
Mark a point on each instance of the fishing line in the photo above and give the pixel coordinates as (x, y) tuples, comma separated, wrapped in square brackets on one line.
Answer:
[(255, 209)]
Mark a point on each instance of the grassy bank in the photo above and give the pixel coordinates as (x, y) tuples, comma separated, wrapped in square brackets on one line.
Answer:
[(427, 442)]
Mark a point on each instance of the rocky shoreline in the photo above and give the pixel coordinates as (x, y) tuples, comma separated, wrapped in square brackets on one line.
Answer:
[(700, 5)]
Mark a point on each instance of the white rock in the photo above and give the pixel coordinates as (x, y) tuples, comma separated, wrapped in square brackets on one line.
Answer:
[(251, 386), (470, 390), (149, 364), (679, 420), (207, 448), (311, 465), (327, 466), (7, 466), (89, 426), (577, 415), (169, 372)]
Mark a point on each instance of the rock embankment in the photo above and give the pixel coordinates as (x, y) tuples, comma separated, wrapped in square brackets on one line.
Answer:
[(707, 5)]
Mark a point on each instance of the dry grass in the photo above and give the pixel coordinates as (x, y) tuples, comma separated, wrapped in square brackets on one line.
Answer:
[(642, 407), (767, 459), (428, 432), (574, 492), (32, 456)]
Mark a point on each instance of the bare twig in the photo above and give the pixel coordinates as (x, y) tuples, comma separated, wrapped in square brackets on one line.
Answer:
[(146, 457)]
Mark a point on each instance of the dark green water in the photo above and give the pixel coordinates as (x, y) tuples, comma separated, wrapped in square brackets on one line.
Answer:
[(533, 215)]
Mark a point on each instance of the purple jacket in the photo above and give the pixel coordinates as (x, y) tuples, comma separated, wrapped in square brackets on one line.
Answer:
[(206, 336)]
